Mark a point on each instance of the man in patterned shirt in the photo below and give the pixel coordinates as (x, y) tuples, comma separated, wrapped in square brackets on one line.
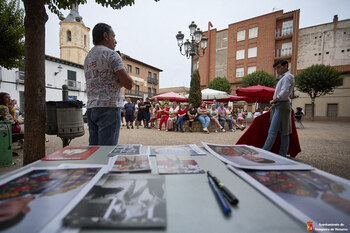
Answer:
[(105, 75)]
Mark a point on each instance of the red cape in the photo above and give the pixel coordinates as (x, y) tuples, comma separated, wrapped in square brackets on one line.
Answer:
[(257, 133)]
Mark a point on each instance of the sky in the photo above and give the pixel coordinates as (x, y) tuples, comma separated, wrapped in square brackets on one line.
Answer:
[(146, 31)]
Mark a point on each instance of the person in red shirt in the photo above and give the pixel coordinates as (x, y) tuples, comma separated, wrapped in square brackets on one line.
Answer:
[(155, 116), (165, 115), (182, 116)]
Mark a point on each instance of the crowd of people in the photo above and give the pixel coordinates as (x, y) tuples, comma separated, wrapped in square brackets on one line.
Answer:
[(173, 115)]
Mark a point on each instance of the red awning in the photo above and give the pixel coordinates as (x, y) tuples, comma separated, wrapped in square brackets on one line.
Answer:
[(171, 96)]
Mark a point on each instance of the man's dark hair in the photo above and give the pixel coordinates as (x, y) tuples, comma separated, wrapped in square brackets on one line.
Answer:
[(282, 62), (98, 31)]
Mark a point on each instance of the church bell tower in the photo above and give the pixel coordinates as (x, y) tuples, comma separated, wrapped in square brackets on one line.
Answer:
[(74, 38)]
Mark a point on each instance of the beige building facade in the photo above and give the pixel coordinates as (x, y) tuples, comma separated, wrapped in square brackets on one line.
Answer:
[(327, 44)]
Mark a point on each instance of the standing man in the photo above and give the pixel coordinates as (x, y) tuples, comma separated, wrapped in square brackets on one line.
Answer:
[(105, 74), (141, 115), (129, 113), (281, 109), (147, 110)]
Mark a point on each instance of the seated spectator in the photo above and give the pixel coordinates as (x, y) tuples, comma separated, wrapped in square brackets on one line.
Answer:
[(234, 122), (172, 117), (181, 117), (223, 116), (299, 114), (192, 116), (6, 111), (203, 117), (129, 109), (213, 113), (266, 109), (165, 115), (155, 115), (240, 117), (258, 112)]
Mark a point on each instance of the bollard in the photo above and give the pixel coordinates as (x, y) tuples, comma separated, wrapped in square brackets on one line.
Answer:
[(5, 143)]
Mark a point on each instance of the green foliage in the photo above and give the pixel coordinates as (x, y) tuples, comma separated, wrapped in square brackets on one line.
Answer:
[(259, 78), (11, 34), (318, 80), (55, 5), (195, 96), (220, 84)]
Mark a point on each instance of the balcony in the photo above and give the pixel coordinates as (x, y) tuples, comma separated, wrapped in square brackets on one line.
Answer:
[(152, 80), (73, 85), (283, 53), (137, 94), (20, 76), (284, 33)]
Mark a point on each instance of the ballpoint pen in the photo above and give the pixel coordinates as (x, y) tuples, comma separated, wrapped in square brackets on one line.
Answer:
[(225, 207), (232, 199)]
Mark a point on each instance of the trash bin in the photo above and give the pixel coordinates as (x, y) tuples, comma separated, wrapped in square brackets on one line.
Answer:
[(70, 122), (51, 118), (5, 144)]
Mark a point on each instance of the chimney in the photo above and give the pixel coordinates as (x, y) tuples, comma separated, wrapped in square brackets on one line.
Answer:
[(335, 19)]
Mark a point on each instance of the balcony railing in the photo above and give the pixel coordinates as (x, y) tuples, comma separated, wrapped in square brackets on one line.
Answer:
[(20, 76), (138, 94), (284, 31), (73, 85), (152, 80), (283, 52)]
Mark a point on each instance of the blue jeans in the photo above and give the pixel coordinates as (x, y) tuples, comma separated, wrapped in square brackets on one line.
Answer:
[(104, 126), (204, 120), (180, 121), (223, 120), (275, 126), (148, 117)]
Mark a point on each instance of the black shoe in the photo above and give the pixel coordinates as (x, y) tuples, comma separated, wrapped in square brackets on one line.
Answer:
[(182, 131), (127, 127), (132, 127)]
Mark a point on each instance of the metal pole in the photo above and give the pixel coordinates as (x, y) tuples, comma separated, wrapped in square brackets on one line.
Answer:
[(65, 141), (191, 66)]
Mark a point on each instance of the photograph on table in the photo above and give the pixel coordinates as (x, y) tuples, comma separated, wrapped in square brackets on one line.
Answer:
[(314, 196), (126, 149), (34, 198), (177, 164), (131, 163), (190, 149), (122, 201), (251, 157), (72, 153)]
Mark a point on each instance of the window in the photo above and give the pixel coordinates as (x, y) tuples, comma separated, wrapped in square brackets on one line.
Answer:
[(240, 54), (128, 92), (287, 27), (332, 110), (129, 68), (252, 52), (239, 72), (149, 92), (154, 92), (286, 49), (241, 35), (155, 76), (69, 35), (21, 73), (308, 109), (149, 75), (253, 32), (137, 70), (251, 69), (137, 89), (72, 78)]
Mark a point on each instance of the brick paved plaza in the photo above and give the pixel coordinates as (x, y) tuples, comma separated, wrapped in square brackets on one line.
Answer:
[(324, 145)]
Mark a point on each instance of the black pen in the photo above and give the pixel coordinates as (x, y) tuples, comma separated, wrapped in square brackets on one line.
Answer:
[(232, 199), (219, 196)]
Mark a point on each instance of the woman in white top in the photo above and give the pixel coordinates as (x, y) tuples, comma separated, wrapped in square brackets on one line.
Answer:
[(213, 114), (172, 117)]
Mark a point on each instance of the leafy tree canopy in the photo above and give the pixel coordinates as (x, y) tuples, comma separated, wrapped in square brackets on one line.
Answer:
[(195, 95), (55, 5), (11, 34), (259, 78), (318, 80), (220, 84)]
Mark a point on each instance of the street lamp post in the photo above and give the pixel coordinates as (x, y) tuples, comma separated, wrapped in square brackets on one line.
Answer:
[(191, 48)]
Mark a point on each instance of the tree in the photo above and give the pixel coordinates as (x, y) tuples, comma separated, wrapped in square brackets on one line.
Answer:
[(316, 81), (11, 34), (35, 95), (195, 96), (259, 78), (220, 84)]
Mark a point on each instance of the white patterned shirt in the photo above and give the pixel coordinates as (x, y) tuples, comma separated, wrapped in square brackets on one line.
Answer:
[(103, 88), (284, 87)]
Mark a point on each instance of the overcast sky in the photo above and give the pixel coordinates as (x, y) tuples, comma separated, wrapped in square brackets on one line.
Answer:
[(146, 31)]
